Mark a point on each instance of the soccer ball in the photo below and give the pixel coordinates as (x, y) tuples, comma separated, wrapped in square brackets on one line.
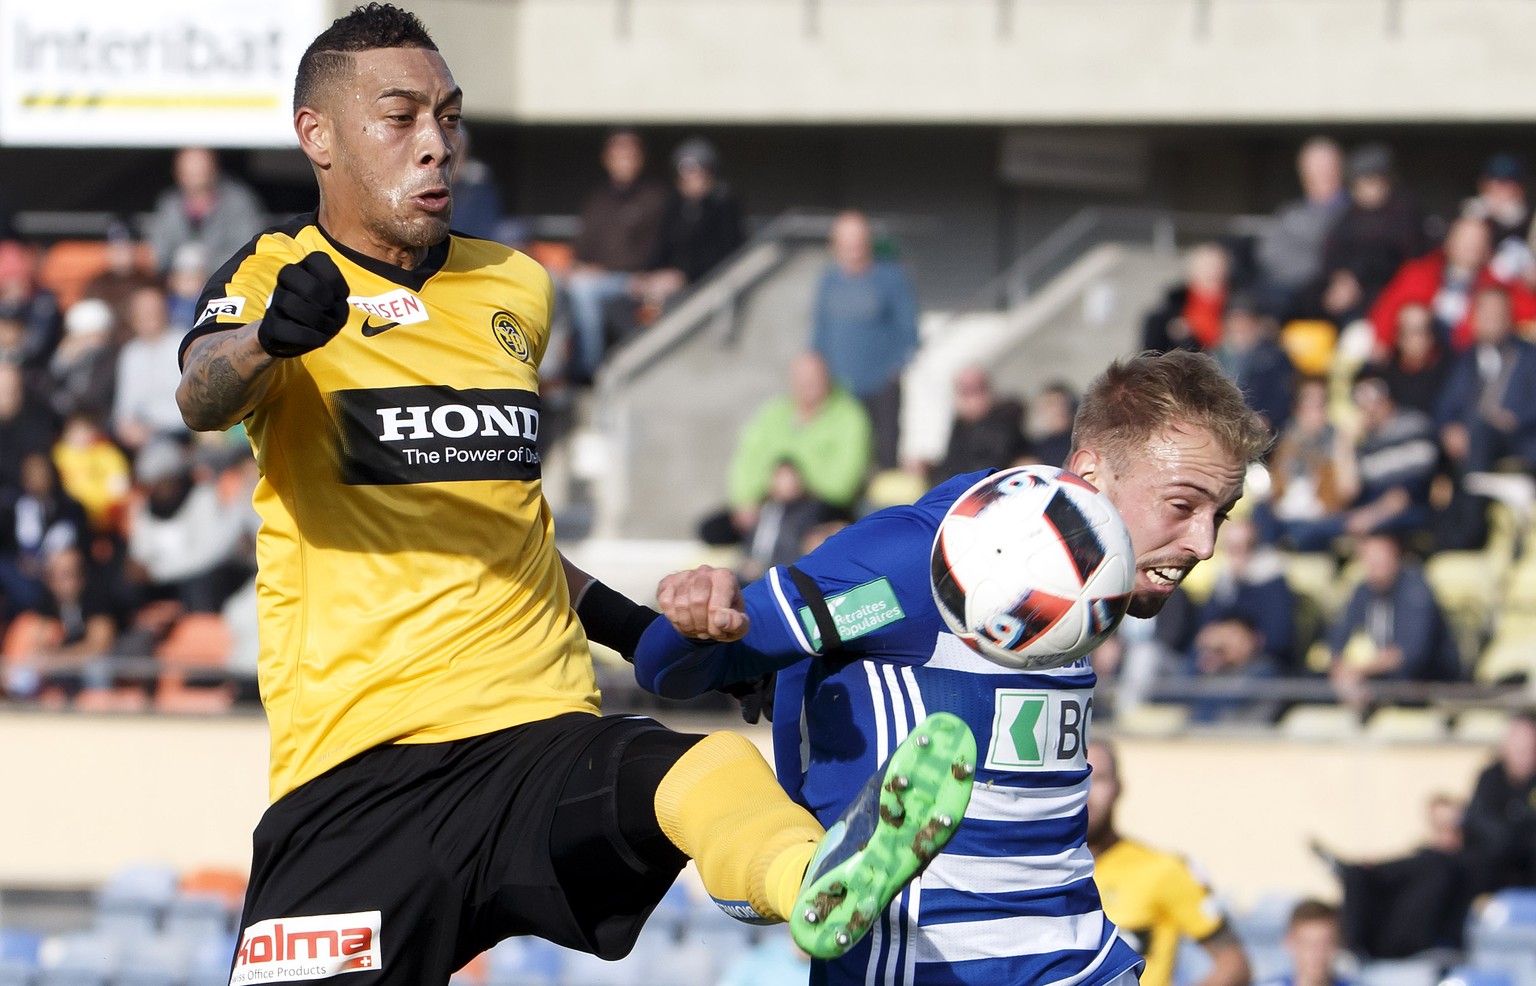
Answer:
[(1032, 567)]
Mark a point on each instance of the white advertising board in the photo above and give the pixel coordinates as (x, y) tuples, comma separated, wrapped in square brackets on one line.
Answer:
[(108, 73)]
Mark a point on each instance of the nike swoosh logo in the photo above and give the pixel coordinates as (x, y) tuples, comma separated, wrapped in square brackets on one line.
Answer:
[(370, 330)]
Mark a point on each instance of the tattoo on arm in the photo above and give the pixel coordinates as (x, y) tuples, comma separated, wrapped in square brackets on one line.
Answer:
[(224, 377)]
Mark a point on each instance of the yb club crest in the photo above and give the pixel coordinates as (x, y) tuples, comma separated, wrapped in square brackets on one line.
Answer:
[(504, 326)]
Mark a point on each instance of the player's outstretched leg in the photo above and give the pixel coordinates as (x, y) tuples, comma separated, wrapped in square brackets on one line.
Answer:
[(901, 819)]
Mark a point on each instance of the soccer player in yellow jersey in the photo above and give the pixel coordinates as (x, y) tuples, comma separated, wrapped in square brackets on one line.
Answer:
[(1152, 896), (440, 775)]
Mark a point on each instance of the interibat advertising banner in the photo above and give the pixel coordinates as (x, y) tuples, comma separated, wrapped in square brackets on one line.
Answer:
[(150, 73)]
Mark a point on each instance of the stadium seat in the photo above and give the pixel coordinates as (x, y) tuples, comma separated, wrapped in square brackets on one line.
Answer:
[(84, 958), (1466, 584), (196, 917), (1315, 576), (69, 265), (1263, 925), (18, 955), (581, 969), (1485, 726), (196, 641), (1511, 654), (1406, 725), (1314, 723), (154, 960), (1400, 972), (1152, 719), (1469, 975), (524, 962), (208, 964)]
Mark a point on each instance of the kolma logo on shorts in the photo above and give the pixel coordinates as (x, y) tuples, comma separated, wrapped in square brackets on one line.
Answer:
[(315, 946)]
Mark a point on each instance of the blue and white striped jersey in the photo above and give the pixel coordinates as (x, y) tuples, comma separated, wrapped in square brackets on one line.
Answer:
[(1011, 899)]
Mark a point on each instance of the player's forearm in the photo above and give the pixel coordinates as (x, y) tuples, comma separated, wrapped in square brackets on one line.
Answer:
[(224, 375), (674, 666)]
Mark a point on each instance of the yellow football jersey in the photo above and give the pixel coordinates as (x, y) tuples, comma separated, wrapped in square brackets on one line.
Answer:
[(1154, 898), (409, 586)]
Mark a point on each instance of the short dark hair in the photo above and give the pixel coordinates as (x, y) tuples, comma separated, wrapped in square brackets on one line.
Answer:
[(1313, 910), (371, 26), (1135, 398)]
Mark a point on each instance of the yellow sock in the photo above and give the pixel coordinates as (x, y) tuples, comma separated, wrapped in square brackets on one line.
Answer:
[(721, 804)]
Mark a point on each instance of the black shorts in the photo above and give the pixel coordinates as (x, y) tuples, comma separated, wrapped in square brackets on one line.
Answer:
[(408, 860)]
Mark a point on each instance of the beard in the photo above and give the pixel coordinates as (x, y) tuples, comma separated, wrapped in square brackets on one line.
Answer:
[(412, 232)]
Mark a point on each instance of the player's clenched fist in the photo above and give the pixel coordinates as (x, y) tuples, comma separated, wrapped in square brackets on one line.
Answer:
[(704, 604), (308, 307)]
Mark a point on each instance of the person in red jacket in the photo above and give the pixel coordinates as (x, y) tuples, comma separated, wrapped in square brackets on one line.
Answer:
[(1445, 280)]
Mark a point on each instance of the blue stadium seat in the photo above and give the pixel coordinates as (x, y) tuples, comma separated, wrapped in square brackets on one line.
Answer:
[(1469, 975), (20, 945), (210, 960), (718, 930), (581, 969), (524, 962), (1501, 936), (1400, 972), (82, 958), (154, 960), (1263, 925), (197, 917)]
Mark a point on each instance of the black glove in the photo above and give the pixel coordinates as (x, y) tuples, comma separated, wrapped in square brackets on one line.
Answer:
[(309, 306), (755, 696)]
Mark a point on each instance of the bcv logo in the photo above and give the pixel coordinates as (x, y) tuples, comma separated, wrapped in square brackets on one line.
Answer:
[(316, 946)]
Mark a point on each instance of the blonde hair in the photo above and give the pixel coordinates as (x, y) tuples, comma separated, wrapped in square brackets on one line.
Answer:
[(1138, 397)]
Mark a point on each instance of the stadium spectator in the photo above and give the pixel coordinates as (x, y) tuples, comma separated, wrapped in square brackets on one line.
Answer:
[(1304, 484), (1289, 254), (124, 274), (1312, 939), (1377, 232), (1049, 423), (864, 324), (987, 430), (83, 370), (1246, 628), (1487, 411), (203, 206), (39, 520), (785, 520), (32, 307), (184, 285), (1383, 474), (1418, 365), (144, 401), (476, 197), (620, 221), (1400, 907), (93, 470), (1251, 357), (1231, 651), (703, 224), (1392, 628), (818, 427), (184, 544), (70, 642), (1154, 897), (1502, 204), (1190, 314), (1446, 279), (1500, 820), (27, 424)]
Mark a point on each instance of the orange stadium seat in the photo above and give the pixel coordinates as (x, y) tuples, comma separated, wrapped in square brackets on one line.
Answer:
[(556, 257), (69, 265), (197, 640)]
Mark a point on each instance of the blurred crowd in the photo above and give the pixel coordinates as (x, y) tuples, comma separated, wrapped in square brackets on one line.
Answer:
[(1387, 350)]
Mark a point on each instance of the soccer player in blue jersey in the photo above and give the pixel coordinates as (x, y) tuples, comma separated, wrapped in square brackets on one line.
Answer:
[(1012, 899)]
